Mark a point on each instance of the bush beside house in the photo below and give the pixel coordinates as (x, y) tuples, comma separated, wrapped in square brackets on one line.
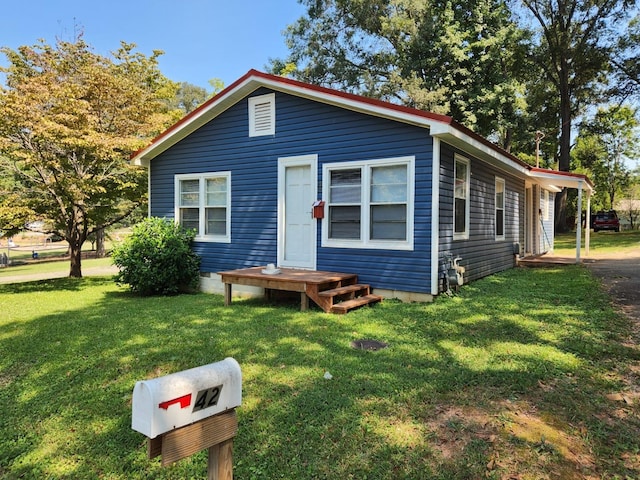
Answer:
[(157, 259)]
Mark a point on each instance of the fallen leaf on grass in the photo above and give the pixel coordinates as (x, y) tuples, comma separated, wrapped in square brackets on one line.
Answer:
[(614, 397)]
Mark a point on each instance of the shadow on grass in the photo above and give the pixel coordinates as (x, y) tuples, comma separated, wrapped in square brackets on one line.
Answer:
[(54, 285), (67, 379)]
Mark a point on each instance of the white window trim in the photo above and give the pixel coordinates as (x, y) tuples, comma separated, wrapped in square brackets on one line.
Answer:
[(364, 241), (200, 236), (504, 206), (253, 101), (462, 235)]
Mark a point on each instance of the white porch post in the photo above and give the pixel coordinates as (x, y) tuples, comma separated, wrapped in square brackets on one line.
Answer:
[(587, 225), (579, 219)]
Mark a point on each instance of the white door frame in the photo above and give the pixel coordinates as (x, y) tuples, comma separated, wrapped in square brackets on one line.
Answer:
[(283, 164)]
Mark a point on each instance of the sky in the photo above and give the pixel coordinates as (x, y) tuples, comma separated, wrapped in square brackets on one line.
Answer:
[(202, 39)]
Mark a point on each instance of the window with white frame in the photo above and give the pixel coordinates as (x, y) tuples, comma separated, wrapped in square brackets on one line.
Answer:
[(499, 216), (369, 204), (203, 203), (462, 176), (545, 205), (262, 115)]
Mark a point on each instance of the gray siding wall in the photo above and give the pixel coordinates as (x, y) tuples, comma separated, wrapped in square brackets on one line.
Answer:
[(481, 253), (303, 127)]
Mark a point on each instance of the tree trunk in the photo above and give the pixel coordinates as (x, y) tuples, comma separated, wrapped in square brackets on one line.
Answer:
[(76, 236), (75, 255), (100, 250), (564, 160)]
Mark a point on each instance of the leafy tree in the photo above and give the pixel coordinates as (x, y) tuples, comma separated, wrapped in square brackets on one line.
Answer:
[(188, 97), (626, 60), (69, 120), (574, 47), (156, 259), (451, 58), (629, 205), (605, 146), (217, 85)]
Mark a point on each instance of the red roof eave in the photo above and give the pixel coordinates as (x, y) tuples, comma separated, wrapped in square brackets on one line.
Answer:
[(577, 176), (350, 100)]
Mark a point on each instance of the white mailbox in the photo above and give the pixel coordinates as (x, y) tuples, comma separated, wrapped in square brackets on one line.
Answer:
[(163, 404)]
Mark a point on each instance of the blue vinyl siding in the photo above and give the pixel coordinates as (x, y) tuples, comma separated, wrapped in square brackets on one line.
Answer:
[(481, 253), (303, 127)]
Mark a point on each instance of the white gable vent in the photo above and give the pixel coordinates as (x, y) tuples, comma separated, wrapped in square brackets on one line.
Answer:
[(262, 115)]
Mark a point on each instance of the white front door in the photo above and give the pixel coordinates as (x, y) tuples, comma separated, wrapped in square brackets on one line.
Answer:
[(297, 190)]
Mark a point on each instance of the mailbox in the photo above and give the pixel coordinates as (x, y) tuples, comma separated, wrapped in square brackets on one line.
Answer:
[(166, 403), (318, 209)]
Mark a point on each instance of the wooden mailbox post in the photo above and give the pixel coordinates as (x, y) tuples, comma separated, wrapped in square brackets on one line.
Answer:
[(189, 411)]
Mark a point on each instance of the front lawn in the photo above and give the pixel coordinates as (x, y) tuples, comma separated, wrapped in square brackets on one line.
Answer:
[(599, 243), (524, 375)]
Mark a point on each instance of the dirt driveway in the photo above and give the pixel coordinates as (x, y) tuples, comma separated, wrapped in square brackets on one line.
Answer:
[(620, 274)]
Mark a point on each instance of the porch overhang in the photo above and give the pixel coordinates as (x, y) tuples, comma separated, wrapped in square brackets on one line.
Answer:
[(555, 181)]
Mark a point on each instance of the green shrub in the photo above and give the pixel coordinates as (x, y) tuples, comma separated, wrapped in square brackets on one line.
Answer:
[(156, 259)]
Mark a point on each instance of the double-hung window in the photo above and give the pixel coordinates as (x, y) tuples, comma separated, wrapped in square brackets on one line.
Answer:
[(203, 203), (461, 189), (544, 205), (499, 217), (370, 204)]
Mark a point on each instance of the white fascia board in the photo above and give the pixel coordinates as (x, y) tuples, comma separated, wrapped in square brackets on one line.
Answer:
[(478, 149), (350, 104), (553, 181)]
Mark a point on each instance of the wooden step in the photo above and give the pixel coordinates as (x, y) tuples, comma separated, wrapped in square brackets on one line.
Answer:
[(334, 292), (344, 307)]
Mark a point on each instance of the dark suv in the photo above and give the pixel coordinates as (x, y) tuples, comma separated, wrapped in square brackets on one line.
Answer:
[(606, 221)]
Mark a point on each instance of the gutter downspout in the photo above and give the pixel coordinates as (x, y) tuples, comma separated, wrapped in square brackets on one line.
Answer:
[(435, 215)]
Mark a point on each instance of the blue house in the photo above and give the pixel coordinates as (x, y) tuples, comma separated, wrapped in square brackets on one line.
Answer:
[(275, 171)]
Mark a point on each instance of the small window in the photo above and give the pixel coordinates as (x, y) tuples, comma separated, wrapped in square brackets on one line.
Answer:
[(203, 203), (262, 115), (500, 192), (545, 205), (461, 198)]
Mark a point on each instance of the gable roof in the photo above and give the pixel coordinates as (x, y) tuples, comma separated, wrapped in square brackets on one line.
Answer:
[(440, 126)]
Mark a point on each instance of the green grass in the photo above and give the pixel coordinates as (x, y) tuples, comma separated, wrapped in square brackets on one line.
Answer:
[(599, 243), (511, 376)]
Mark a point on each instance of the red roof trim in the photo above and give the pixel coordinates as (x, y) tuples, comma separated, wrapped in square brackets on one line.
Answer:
[(307, 86), (195, 112), (578, 176), (351, 96), (444, 119)]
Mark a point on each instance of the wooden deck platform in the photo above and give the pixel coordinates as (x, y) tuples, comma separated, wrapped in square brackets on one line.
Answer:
[(545, 261), (331, 291)]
